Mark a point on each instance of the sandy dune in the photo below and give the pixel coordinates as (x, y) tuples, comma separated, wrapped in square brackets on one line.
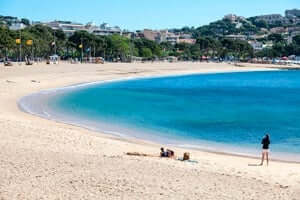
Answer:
[(41, 159)]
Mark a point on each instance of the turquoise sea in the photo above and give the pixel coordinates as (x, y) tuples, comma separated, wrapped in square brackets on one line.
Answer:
[(228, 112)]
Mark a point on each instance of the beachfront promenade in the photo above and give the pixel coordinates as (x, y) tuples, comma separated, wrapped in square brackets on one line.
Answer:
[(45, 159)]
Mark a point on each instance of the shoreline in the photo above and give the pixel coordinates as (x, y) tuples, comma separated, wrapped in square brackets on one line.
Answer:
[(41, 158), (223, 149)]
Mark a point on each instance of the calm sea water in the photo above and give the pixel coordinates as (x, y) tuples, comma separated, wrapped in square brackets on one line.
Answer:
[(230, 111)]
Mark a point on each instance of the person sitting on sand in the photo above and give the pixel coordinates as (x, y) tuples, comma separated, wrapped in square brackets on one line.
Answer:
[(168, 153), (171, 153), (265, 149), (163, 153)]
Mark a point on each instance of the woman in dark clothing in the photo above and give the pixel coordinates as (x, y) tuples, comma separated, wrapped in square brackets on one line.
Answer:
[(163, 153), (265, 149), (169, 153)]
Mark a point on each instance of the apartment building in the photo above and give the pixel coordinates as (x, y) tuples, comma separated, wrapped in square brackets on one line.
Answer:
[(272, 19), (292, 13), (69, 28)]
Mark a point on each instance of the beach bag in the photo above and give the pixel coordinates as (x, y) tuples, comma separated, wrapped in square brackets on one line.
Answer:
[(186, 156)]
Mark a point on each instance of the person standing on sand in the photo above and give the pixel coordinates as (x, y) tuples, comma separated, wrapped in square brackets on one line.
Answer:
[(265, 149)]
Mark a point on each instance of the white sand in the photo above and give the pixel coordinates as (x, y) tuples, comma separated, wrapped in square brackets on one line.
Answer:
[(42, 159)]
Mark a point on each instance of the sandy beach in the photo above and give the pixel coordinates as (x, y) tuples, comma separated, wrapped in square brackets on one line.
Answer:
[(43, 159)]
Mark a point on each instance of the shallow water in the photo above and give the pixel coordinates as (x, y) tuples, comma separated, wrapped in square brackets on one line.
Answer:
[(225, 111)]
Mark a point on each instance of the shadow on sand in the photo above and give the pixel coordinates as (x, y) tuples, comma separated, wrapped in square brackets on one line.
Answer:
[(254, 165)]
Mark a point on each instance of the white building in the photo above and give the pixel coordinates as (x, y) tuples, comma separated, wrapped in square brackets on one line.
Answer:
[(166, 36), (279, 30), (292, 13), (105, 32), (272, 19), (173, 39), (236, 37), (233, 17), (69, 28), (186, 38), (17, 26), (257, 46), (268, 45), (104, 29)]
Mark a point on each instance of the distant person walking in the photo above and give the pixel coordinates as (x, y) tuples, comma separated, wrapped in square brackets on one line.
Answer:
[(265, 149)]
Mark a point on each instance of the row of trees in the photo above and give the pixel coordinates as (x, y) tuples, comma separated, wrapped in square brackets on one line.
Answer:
[(208, 46), (47, 41)]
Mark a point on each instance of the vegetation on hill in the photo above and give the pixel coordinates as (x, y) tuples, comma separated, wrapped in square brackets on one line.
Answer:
[(249, 26), (221, 28)]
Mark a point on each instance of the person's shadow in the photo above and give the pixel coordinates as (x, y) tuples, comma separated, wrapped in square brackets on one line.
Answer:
[(254, 165)]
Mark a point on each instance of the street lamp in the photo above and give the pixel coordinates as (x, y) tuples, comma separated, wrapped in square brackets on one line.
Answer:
[(81, 47), (18, 41)]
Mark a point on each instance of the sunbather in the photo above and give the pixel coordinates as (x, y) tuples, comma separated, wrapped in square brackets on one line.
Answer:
[(168, 153)]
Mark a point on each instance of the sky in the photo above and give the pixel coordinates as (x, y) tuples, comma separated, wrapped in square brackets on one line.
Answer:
[(140, 14)]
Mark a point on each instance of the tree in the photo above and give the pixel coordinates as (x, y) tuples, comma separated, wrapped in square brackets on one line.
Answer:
[(266, 52), (146, 52), (6, 41), (279, 50), (25, 21), (296, 40), (208, 45), (120, 47), (82, 38), (156, 49), (238, 48), (276, 37), (261, 24), (42, 37)]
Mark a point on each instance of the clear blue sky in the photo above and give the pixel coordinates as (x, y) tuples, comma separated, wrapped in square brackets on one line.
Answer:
[(139, 14)]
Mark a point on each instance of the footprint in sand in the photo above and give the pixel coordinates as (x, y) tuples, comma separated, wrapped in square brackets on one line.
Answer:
[(8, 81), (34, 81)]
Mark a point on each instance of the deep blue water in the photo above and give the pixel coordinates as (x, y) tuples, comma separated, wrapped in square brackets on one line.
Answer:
[(230, 109)]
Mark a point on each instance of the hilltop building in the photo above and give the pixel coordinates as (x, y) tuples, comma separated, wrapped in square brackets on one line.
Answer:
[(234, 18), (292, 13), (272, 19), (150, 35), (138, 35), (291, 17), (166, 36)]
